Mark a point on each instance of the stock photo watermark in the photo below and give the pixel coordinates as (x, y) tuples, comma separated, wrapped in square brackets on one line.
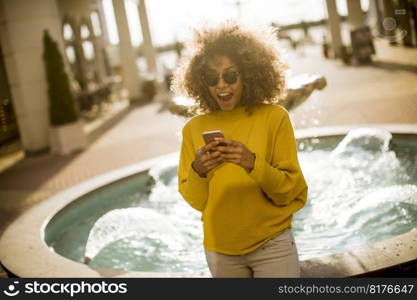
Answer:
[(72, 289), (393, 32), (12, 290)]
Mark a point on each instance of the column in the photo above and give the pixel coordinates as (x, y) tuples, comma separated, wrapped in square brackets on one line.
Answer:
[(376, 6), (98, 53), (81, 62), (355, 14), (147, 39), (21, 26), (361, 37), (334, 27), (128, 56), (99, 41), (100, 9), (104, 40)]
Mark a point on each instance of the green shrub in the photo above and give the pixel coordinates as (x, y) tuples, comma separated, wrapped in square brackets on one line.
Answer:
[(62, 105)]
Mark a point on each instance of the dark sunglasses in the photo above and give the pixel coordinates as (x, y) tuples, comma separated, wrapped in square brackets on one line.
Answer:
[(212, 79)]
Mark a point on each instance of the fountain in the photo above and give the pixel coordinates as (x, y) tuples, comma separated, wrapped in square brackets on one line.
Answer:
[(133, 223)]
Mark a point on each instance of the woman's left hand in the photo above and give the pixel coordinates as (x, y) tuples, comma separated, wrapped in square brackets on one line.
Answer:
[(236, 152)]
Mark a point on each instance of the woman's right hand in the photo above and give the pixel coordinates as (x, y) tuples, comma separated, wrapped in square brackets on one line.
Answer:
[(206, 159)]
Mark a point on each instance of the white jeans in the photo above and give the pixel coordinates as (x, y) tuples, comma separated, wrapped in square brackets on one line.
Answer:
[(277, 258)]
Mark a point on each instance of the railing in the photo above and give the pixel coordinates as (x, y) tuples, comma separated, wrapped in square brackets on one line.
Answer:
[(95, 96)]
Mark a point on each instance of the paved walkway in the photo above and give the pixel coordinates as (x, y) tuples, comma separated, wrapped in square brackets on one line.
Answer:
[(143, 133), (383, 92)]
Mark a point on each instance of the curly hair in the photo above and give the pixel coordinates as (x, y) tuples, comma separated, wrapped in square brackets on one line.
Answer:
[(255, 53)]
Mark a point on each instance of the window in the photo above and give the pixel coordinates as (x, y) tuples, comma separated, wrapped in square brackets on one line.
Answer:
[(70, 52), (68, 32), (95, 20), (85, 32), (88, 50)]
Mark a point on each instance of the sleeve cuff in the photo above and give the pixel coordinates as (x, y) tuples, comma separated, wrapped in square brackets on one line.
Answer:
[(258, 169), (194, 178)]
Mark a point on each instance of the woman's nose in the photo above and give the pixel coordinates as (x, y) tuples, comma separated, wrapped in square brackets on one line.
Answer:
[(221, 82)]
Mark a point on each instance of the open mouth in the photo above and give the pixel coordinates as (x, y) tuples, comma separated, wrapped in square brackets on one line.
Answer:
[(224, 96)]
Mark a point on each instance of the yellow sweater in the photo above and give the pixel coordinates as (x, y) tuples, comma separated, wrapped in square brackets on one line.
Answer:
[(241, 211)]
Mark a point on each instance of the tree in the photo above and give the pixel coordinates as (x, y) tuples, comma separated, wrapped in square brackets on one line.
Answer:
[(62, 105)]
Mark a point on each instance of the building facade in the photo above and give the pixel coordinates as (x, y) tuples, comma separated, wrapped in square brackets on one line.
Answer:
[(78, 26)]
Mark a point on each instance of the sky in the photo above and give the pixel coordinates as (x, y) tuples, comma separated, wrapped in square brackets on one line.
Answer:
[(171, 20)]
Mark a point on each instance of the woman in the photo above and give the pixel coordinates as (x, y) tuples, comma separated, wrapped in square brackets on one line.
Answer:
[(248, 184)]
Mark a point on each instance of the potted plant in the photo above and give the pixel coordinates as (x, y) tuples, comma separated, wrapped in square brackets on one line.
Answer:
[(66, 131)]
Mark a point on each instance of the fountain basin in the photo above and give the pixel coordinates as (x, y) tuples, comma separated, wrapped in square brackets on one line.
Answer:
[(25, 238)]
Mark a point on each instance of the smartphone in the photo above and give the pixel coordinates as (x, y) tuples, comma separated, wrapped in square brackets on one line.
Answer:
[(209, 136)]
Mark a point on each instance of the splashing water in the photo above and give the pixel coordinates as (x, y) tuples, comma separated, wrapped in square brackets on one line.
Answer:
[(124, 223), (164, 234), (360, 192), (364, 140)]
